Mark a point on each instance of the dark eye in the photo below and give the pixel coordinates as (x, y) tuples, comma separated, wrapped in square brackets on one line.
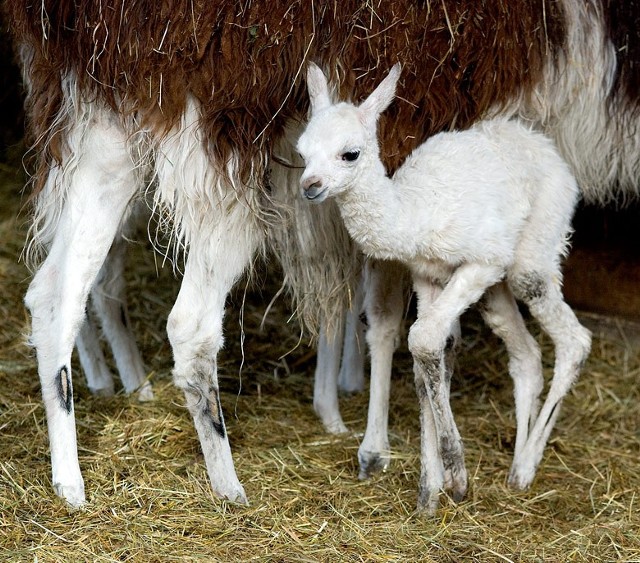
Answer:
[(350, 156)]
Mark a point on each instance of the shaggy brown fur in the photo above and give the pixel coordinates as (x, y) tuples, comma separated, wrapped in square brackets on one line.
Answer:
[(243, 59)]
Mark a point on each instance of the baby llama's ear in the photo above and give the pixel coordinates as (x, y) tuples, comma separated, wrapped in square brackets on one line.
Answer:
[(318, 88), (381, 97)]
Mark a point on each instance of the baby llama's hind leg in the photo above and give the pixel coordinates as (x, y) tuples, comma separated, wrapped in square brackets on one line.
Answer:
[(502, 315), (572, 343)]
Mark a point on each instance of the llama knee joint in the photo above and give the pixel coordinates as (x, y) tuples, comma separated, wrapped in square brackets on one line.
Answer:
[(424, 344), (529, 287)]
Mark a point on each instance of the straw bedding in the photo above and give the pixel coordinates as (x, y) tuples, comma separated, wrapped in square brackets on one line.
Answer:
[(148, 493)]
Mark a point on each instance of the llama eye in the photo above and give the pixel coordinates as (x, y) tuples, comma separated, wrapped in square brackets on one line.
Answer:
[(350, 156)]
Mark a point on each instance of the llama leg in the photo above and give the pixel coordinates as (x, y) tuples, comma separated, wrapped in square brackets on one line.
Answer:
[(94, 365), (216, 260), (220, 228), (432, 471), (502, 315), (99, 183), (325, 390), (110, 301), (331, 373), (351, 376), (384, 307), (572, 345), (428, 340), (431, 467)]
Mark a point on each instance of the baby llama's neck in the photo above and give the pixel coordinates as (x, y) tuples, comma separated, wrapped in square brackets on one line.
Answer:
[(371, 209)]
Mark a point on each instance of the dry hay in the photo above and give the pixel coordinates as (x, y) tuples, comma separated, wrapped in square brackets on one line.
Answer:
[(148, 493)]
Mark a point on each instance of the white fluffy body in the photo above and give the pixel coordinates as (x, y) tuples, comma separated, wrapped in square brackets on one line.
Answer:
[(487, 210), (438, 207)]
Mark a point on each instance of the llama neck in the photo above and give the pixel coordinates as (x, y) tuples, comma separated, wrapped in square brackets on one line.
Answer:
[(374, 214)]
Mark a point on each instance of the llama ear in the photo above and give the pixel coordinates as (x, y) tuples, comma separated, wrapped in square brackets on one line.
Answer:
[(318, 88), (381, 97)]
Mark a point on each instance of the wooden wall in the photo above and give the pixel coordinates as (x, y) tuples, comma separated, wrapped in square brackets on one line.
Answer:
[(602, 273)]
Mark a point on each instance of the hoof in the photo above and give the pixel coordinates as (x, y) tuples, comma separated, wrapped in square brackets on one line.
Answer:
[(458, 494), (108, 391), (236, 496), (519, 479), (522, 474), (330, 417), (372, 463), (428, 501), (145, 392), (455, 482), (336, 427), (73, 494)]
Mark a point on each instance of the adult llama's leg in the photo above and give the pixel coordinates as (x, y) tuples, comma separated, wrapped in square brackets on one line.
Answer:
[(97, 182), (110, 314), (325, 388), (222, 233), (384, 306), (109, 298), (351, 377), (195, 333), (94, 365), (339, 366)]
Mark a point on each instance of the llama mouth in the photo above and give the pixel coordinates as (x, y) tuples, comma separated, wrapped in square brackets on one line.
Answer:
[(315, 195)]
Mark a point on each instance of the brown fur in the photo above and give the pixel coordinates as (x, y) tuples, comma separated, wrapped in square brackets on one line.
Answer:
[(242, 61)]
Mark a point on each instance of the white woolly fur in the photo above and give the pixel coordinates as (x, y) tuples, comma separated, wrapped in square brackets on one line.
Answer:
[(486, 210)]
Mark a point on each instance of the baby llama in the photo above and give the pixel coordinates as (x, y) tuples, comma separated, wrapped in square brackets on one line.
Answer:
[(482, 213)]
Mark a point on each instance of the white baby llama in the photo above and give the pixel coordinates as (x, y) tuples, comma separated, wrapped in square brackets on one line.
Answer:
[(479, 212)]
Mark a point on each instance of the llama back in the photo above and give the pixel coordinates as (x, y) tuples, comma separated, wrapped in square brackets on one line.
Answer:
[(554, 63), (244, 63), (497, 179)]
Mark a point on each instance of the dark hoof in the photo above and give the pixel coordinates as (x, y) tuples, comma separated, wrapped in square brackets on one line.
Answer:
[(372, 463)]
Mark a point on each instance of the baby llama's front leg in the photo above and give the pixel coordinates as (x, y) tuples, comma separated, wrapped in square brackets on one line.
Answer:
[(428, 339)]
